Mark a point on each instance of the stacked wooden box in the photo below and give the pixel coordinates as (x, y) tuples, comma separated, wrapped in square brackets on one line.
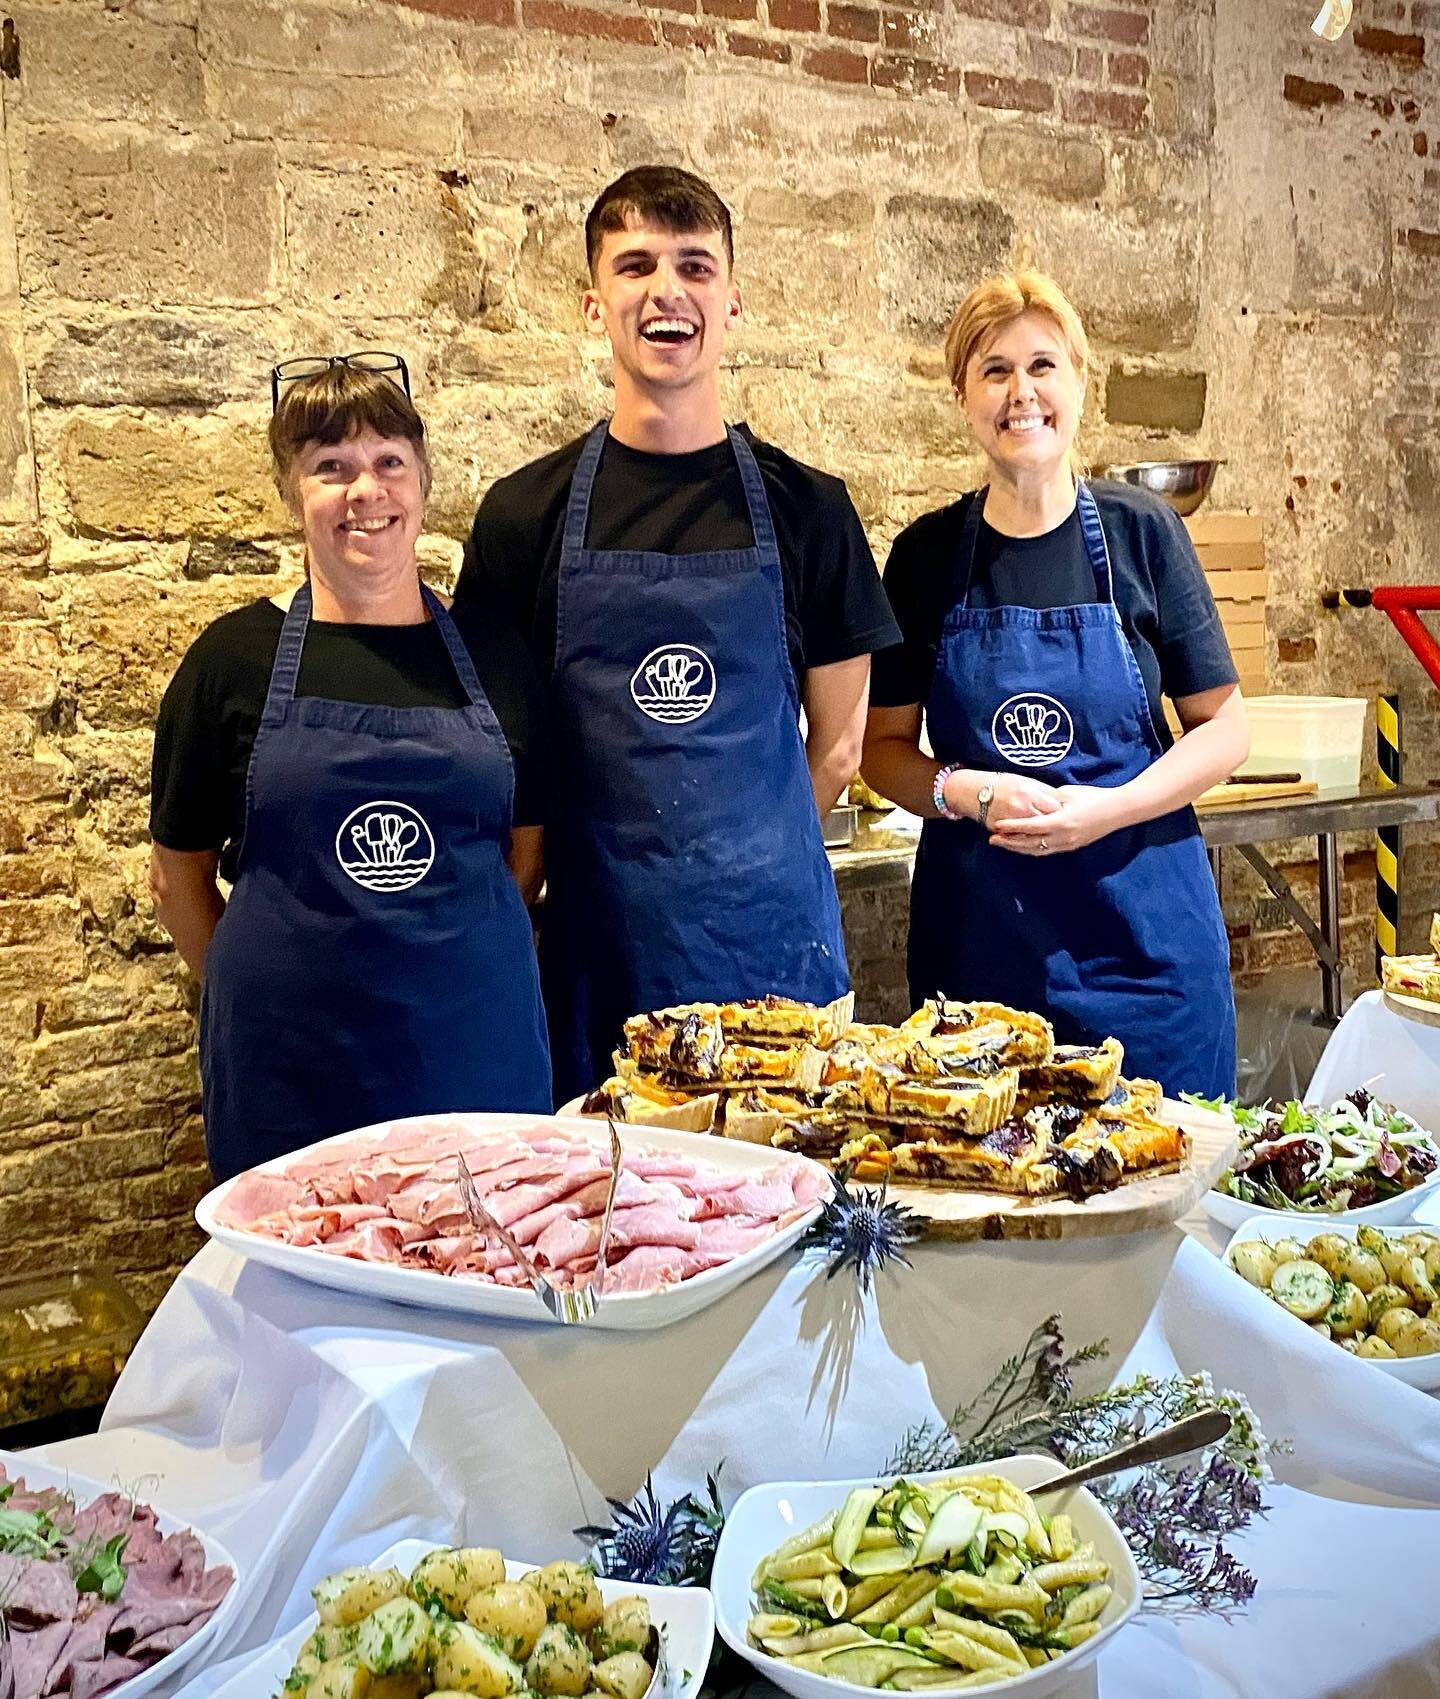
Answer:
[(1231, 547)]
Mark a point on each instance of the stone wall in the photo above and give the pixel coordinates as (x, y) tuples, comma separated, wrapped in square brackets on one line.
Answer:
[(1245, 216)]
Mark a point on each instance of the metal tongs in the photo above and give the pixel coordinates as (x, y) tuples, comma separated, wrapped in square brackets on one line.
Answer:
[(578, 1303)]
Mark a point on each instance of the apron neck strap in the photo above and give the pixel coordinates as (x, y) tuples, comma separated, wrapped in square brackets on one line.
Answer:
[(762, 526), (286, 671), (1097, 550), (582, 485)]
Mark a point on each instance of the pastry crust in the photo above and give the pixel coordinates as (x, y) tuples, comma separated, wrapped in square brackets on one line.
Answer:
[(1412, 976), (786, 1017), (1082, 1073)]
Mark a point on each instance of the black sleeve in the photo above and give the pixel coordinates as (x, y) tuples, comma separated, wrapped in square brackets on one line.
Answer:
[(843, 611), (191, 767), (917, 585), (510, 681), (1192, 650), (501, 564)]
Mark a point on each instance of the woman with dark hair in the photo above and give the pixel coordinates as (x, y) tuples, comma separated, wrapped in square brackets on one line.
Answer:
[(361, 766)]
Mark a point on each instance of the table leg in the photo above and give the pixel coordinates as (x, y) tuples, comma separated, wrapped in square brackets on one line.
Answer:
[(1331, 991), (1213, 851)]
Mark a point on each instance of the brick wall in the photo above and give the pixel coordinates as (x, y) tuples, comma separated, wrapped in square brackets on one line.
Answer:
[(1245, 216)]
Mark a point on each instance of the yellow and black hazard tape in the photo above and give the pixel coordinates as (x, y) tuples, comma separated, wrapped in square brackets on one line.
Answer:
[(1387, 838)]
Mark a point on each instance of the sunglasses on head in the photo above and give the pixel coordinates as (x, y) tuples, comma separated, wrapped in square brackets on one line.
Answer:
[(388, 365)]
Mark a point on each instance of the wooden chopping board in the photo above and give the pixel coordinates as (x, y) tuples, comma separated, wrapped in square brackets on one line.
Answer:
[(1228, 796), (1419, 1009), (966, 1217)]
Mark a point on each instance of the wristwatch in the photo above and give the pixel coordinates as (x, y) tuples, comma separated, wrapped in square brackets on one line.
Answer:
[(983, 798)]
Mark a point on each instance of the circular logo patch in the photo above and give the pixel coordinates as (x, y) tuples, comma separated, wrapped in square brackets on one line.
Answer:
[(674, 683), (385, 846), (1032, 730)]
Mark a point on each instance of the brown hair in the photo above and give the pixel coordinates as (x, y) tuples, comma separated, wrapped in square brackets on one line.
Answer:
[(337, 403), (662, 195)]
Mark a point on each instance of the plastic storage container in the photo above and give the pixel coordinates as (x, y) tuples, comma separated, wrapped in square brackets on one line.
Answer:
[(1320, 737), (64, 1339)]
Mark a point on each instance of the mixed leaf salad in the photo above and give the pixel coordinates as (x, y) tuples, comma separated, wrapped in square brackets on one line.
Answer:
[(1308, 1157)]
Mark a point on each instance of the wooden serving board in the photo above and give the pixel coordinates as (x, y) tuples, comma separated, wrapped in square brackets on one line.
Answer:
[(964, 1217), (1227, 796), (1419, 1009)]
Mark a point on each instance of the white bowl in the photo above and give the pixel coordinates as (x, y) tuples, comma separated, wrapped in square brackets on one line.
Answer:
[(1422, 1372), (686, 1614), (1235, 1212), (766, 1516)]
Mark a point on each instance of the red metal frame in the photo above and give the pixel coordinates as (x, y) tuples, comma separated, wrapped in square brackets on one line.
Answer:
[(1404, 604)]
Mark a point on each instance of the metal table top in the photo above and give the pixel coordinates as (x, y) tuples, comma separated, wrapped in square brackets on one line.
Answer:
[(1355, 809)]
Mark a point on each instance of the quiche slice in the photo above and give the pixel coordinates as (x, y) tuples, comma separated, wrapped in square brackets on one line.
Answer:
[(1412, 976), (1085, 1073), (1008, 1158), (970, 1104), (1134, 1097), (686, 1041), (786, 1017), (1016, 1037), (643, 1102)]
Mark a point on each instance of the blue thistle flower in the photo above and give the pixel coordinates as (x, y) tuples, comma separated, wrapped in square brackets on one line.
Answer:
[(860, 1230), (667, 1545)]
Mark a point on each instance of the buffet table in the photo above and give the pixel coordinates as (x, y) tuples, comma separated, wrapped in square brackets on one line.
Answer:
[(1397, 1055), (309, 1430)]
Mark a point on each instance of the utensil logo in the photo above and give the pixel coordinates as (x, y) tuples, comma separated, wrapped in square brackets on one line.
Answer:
[(674, 683), (385, 846), (1032, 730)]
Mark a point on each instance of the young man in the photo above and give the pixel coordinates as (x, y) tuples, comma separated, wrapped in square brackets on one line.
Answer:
[(687, 588)]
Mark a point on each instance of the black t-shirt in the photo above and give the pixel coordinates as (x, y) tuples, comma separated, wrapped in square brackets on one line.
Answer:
[(211, 710), (835, 607), (1165, 606)]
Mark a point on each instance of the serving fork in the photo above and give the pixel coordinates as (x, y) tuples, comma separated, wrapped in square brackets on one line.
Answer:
[(566, 1305)]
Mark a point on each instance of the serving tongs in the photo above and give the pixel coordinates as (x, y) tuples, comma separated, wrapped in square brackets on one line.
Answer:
[(566, 1305)]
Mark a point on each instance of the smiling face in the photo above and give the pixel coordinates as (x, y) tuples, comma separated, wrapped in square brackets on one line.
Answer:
[(666, 300), (1022, 396), (361, 503)]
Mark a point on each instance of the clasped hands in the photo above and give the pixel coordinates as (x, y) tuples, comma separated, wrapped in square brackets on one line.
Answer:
[(1031, 818)]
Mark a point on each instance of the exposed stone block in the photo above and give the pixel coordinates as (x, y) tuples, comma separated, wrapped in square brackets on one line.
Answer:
[(1159, 401), (153, 362), (1135, 280), (309, 107), (386, 47), (932, 249), (109, 64), (1064, 168), (131, 476), (146, 218)]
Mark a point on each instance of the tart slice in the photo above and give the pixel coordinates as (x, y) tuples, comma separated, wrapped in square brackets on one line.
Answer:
[(1009, 1158), (1411, 976), (1083, 1073), (1016, 1037), (686, 1041), (786, 1017)]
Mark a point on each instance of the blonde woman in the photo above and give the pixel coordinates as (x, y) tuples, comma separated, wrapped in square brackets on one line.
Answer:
[(1061, 867)]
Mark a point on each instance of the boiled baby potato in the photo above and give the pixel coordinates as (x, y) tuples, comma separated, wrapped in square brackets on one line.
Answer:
[(340, 1678), (570, 1594), (1357, 1264), (1351, 1343), (472, 1662), (1375, 1346), (513, 1613), (397, 1687), (1254, 1261), (1413, 1278), (626, 1675), (351, 1594), (1430, 1256), (449, 1576), (626, 1624), (1417, 1338), (1393, 1323), (1288, 1250), (1384, 1298), (395, 1640), (1327, 1249), (1348, 1312), (1304, 1288), (560, 1662)]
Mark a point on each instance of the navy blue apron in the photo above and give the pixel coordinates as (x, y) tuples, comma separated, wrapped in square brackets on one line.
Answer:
[(1123, 936), (375, 958), (684, 860)]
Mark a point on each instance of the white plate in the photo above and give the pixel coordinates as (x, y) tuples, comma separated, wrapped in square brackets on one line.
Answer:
[(1423, 1372), (687, 1613), (766, 1516), (624, 1311), (1235, 1212), (38, 1474)]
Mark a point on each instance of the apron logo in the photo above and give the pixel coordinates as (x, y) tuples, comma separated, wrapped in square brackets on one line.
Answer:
[(1032, 730), (385, 846), (674, 684)]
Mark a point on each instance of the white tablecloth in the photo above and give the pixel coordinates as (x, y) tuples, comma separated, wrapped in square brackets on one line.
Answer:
[(1397, 1058), (309, 1430)]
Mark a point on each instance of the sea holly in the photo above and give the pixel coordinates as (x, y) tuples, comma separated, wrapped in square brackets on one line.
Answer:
[(668, 1545), (858, 1229)]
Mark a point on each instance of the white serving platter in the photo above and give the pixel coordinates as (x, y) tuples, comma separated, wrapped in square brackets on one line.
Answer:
[(1422, 1372), (766, 1516), (36, 1473), (424, 1288), (686, 1614)]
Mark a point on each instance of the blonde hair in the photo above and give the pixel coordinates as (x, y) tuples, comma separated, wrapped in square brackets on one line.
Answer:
[(999, 301)]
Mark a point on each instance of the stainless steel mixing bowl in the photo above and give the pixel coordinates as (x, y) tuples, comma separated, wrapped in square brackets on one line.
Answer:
[(1182, 483)]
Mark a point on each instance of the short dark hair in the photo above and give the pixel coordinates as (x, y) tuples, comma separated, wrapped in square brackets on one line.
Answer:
[(339, 403), (664, 195)]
